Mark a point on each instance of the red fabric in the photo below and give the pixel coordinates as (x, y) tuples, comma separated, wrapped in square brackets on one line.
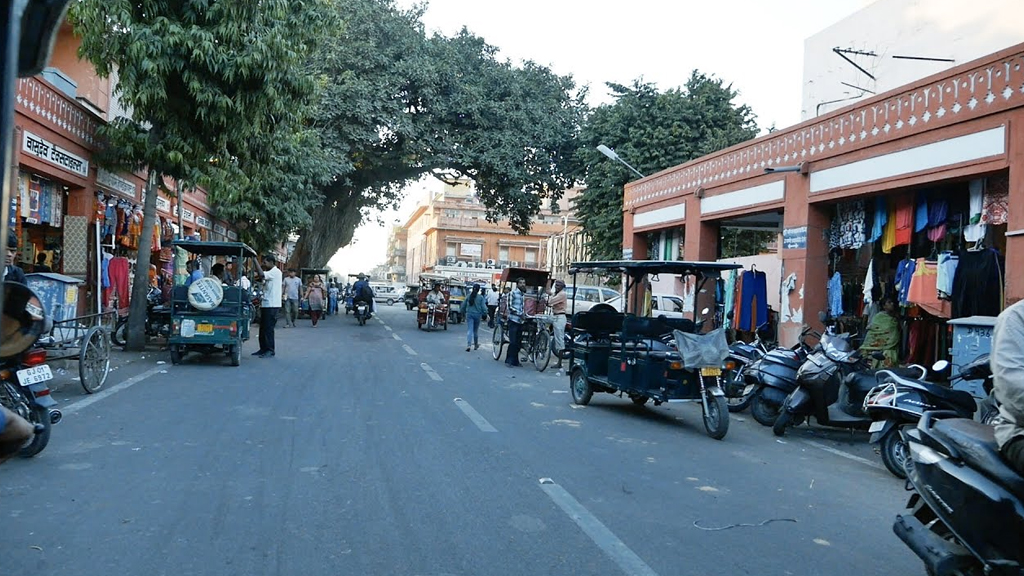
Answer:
[(904, 220), (118, 272)]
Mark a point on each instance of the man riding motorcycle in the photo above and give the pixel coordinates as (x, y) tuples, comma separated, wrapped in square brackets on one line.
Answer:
[(1008, 383), (361, 292)]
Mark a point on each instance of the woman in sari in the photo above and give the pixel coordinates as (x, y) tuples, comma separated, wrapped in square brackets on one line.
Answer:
[(883, 335)]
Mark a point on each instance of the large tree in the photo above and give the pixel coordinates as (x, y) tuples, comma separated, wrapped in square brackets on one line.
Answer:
[(216, 93), (398, 104), (652, 131)]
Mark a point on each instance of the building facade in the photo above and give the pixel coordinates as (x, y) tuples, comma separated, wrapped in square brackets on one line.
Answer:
[(951, 144), (449, 232), (394, 266)]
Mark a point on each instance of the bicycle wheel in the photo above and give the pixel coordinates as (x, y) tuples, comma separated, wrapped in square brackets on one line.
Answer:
[(497, 341), (541, 350)]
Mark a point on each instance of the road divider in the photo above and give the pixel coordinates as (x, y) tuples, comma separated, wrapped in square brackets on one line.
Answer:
[(396, 336), (475, 416), (430, 372), (409, 350)]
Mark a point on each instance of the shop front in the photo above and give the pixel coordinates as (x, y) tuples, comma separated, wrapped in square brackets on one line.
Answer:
[(915, 195)]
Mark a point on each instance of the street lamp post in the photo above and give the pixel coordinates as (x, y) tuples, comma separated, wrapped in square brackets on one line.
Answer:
[(611, 154)]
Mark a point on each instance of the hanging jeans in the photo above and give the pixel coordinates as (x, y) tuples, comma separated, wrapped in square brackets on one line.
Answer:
[(753, 301)]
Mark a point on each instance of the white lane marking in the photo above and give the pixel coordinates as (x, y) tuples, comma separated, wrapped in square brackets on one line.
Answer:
[(842, 453), (396, 336), (475, 416), (430, 372), (409, 350), (605, 539), (388, 328), (76, 406)]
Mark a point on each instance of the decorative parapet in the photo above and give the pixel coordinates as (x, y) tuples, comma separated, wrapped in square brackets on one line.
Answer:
[(985, 86), (53, 109)]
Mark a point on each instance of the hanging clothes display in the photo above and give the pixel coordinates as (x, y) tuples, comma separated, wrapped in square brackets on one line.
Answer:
[(752, 301), (869, 284), (117, 270), (937, 216), (729, 294), (904, 274), (835, 296), (880, 219), (889, 234), (947, 271), (923, 291), (921, 215), (978, 284), (996, 201), (903, 210), (851, 217), (974, 231)]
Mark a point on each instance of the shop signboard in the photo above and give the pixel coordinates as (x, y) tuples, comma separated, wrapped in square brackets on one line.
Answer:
[(472, 250), (794, 238), (627, 253), (202, 221), (220, 230), (188, 215), (116, 183), (164, 204), (232, 236), (50, 152)]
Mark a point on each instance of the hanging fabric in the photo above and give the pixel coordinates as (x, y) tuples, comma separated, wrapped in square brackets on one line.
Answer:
[(937, 215), (869, 284), (923, 291), (904, 215), (889, 235), (996, 201), (974, 231), (921, 216), (947, 271), (729, 295), (978, 284), (904, 274), (880, 219), (835, 296), (118, 272), (752, 301), (851, 224)]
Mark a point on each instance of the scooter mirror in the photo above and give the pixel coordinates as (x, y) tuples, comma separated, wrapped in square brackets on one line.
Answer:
[(822, 317), (24, 319), (940, 366)]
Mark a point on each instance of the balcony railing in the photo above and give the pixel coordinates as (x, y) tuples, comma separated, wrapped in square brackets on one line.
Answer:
[(53, 109)]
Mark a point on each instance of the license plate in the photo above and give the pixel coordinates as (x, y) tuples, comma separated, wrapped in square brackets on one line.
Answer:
[(34, 375), (748, 389), (876, 426), (710, 371), (204, 328)]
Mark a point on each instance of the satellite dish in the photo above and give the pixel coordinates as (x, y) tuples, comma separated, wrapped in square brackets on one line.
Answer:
[(205, 294)]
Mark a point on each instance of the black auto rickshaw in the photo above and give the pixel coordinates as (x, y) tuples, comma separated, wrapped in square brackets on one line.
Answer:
[(660, 359)]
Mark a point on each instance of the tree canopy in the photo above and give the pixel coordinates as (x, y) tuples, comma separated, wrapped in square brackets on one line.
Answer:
[(652, 131), (217, 95)]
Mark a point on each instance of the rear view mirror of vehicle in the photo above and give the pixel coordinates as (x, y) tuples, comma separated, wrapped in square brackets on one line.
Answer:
[(39, 24), (23, 319)]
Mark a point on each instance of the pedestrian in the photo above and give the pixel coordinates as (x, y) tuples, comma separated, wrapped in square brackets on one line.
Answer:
[(557, 302), (218, 272), (195, 271), (41, 263), (516, 312), (270, 306), (12, 272), (292, 290), (332, 298), (316, 296), (474, 308), (493, 297)]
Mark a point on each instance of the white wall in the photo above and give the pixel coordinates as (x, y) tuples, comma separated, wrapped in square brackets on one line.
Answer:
[(957, 29)]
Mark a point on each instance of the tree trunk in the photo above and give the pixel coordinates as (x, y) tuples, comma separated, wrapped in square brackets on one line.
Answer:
[(137, 313), (334, 224)]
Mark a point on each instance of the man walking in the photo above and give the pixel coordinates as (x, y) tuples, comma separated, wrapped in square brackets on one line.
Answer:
[(557, 302), (292, 289), (271, 305), (516, 305), (492, 305)]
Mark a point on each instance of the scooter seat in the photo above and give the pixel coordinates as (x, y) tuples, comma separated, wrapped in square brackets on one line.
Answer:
[(976, 444), (962, 400)]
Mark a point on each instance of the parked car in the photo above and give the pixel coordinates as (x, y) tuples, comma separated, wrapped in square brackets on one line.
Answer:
[(586, 297), (668, 305), (386, 294)]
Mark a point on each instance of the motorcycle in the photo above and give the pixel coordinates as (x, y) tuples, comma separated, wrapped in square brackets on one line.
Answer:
[(771, 378), (362, 312), (741, 356), (900, 402), (158, 319), (23, 390), (966, 515)]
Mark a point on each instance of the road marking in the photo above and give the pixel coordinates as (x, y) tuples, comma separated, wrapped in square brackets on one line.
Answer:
[(76, 406), (616, 549), (409, 350), (475, 416), (430, 372), (396, 336), (388, 328), (842, 453)]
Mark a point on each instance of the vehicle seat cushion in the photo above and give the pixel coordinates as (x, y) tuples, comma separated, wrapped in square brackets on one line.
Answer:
[(860, 383), (956, 397), (976, 444), (788, 358), (681, 324), (597, 322)]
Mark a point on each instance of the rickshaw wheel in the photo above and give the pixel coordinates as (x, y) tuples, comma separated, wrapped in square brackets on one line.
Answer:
[(497, 341), (716, 416), (175, 354), (639, 400), (94, 359), (581, 390), (236, 354), (541, 350)]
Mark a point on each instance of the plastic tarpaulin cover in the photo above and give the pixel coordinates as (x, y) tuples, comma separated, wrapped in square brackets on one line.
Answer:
[(702, 350)]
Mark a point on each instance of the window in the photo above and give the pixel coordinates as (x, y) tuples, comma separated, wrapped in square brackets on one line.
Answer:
[(674, 304), (450, 248), (654, 302), (590, 295), (451, 213), (569, 292), (503, 253), (531, 255), (609, 294)]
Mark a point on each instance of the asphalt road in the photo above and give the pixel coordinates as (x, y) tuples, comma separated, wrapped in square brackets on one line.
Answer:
[(385, 450)]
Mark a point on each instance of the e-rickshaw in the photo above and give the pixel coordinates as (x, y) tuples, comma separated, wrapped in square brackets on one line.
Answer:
[(457, 291), (306, 276), (206, 315), (661, 359), (430, 316), (535, 342)]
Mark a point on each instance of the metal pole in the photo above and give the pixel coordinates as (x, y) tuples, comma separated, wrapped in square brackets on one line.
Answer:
[(11, 44)]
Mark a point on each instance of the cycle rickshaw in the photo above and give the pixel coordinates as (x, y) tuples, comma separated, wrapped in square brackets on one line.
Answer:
[(537, 325)]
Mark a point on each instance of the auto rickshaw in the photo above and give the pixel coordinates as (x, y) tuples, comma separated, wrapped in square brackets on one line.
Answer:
[(306, 276), (537, 330), (458, 293), (411, 298), (206, 315), (429, 316), (661, 359)]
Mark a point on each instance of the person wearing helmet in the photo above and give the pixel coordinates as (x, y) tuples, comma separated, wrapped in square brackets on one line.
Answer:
[(12, 273), (362, 292)]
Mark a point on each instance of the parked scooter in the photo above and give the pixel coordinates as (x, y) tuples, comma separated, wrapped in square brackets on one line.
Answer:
[(966, 515), (900, 402), (741, 356), (158, 319), (772, 378)]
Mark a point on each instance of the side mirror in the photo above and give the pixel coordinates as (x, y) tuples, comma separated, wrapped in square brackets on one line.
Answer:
[(23, 319), (822, 317), (940, 366)]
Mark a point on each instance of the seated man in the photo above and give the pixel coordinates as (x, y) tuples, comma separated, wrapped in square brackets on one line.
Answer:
[(435, 296), (1007, 362)]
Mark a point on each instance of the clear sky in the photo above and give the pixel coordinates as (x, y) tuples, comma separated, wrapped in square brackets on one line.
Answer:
[(757, 45)]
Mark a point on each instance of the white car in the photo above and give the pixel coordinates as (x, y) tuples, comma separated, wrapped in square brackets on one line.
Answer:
[(668, 305), (586, 297)]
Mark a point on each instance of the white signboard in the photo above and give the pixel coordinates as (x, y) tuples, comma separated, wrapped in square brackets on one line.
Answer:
[(203, 221), (55, 155), (473, 250), (114, 182), (232, 236), (188, 215), (220, 229), (164, 204)]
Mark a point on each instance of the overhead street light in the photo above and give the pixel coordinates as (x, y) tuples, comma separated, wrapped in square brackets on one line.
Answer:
[(611, 154)]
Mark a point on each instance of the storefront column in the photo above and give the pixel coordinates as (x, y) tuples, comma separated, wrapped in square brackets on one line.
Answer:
[(701, 245), (1015, 216), (804, 269), (638, 245)]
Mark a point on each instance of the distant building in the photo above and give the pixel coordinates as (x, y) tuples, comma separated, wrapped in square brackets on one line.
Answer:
[(448, 232), (398, 239)]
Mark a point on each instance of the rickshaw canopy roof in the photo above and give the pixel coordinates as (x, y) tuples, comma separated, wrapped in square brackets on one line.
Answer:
[(435, 278), (215, 248), (532, 276), (641, 267), (305, 271)]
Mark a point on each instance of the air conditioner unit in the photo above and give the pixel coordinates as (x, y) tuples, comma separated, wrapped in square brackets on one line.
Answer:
[(490, 266), (450, 260), (514, 264), (490, 262), (481, 265), (460, 264)]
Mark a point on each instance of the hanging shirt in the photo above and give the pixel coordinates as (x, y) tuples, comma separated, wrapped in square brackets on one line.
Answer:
[(881, 218), (851, 224), (947, 271), (889, 235), (921, 217), (904, 273), (923, 290), (904, 212), (995, 206), (869, 283), (835, 296), (975, 229)]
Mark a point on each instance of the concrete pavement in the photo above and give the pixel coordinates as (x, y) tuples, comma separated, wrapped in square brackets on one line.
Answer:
[(386, 450)]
